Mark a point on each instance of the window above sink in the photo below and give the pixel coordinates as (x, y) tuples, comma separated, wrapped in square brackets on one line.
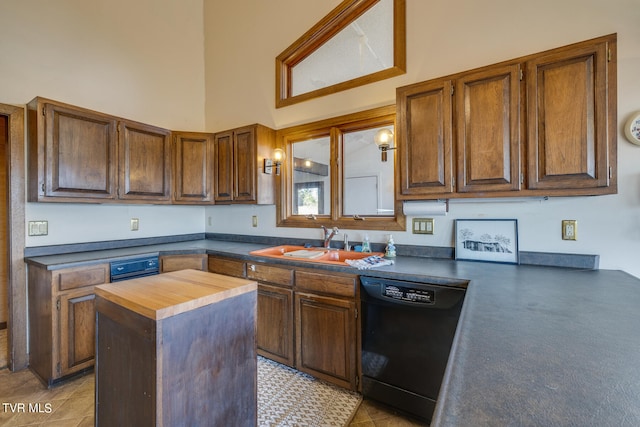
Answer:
[(334, 174)]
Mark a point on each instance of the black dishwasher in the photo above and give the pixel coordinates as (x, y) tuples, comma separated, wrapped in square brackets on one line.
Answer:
[(407, 332)]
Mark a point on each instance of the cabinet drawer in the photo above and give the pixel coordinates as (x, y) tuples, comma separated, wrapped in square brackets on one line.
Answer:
[(326, 283), (270, 274), (226, 266), (80, 277), (182, 262)]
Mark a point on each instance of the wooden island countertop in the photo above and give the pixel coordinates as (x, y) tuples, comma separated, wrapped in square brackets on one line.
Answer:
[(168, 294)]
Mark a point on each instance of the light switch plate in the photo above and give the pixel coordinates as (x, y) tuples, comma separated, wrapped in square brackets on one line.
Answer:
[(569, 229), (422, 226), (135, 224)]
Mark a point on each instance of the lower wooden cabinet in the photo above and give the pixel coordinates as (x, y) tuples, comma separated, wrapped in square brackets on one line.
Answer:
[(275, 311), (182, 262), (326, 338), (77, 331), (307, 318), (62, 319), (275, 323)]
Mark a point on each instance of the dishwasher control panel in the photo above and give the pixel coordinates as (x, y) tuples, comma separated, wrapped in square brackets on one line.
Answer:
[(424, 296)]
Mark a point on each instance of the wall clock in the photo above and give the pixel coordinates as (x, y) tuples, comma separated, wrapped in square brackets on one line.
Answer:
[(632, 128)]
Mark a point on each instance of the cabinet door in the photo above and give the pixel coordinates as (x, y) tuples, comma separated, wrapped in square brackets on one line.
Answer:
[(145, 162), (275, 323), (77, 331), (568, 118), (487, 110), (223, 153), (424, 139), (326, 338), (245, 167), (182, 262), (79, 154), (193, 168), (229, 267)]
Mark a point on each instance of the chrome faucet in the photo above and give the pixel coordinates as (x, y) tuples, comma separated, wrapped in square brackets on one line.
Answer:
[(328, 235)]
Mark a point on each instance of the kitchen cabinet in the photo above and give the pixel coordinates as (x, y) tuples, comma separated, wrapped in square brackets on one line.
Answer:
[(193, 168), (425, 144), (275, 311), (487, 106), (183, 262), (465, 135), (62, 319), (80, 155), (572, 119), (72, 153), (227, 266), (239, 162), (482, 110), (306, 319), (144, 162), (326, 328)]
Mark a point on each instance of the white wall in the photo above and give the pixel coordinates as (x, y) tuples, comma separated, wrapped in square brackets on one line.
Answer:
[(141, 60), (443, 37)]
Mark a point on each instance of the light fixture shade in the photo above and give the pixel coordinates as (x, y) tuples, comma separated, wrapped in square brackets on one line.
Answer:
[(383, 138), (278, 154)]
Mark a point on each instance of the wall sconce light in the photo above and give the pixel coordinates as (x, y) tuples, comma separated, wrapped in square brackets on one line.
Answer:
[(384, 140), (275, 163)]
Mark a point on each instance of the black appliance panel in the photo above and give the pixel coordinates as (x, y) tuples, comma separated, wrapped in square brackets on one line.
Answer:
[(134, 268), (407, 332)]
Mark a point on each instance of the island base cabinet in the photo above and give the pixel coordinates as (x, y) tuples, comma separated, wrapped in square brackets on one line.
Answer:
[(194, 367)]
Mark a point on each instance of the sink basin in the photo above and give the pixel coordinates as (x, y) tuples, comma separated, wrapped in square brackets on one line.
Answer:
[(317, 255)]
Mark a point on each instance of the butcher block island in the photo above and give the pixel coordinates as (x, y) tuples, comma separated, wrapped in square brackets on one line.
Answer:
[(176, 349)]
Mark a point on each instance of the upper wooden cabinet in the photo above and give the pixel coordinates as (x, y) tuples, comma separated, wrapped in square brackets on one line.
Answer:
[(81, 155), (72, 153), (487, 106), (465, 135), (144, 162), (239, 157), (193, 168), (572, 118), (424, 131)]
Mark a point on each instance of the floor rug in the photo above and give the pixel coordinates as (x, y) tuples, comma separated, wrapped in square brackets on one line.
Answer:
[(287, 397)]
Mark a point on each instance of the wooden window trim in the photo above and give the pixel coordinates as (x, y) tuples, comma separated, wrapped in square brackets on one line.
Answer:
[(345, 13), (333, 127)]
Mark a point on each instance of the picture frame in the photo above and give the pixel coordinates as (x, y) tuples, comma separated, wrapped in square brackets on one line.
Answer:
[(490, 240)]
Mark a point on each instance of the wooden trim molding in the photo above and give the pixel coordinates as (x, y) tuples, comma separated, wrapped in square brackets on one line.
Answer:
[(17, 295), (339, 18)]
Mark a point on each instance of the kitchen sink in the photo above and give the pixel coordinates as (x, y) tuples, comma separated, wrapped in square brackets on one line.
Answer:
[(313, 254)]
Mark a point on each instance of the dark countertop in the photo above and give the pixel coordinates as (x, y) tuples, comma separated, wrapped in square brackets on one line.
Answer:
[(535, 346)]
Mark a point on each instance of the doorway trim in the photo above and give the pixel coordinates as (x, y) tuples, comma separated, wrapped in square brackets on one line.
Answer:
[(17, 292)]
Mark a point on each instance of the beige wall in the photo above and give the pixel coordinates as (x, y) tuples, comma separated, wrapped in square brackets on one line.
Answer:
[(443, 37), (149, 61), (139, 59)]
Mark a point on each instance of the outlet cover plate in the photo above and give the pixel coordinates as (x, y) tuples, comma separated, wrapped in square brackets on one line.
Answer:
[(569, 229)]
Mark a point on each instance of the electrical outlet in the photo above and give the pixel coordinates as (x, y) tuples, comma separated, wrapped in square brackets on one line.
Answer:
[(569, 229), (38, 228), (135, 224), (422, 226), (254, 221)]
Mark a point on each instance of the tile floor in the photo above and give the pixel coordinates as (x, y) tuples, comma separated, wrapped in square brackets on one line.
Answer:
[(24, 401)]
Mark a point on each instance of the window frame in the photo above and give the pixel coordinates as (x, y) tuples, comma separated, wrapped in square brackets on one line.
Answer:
[(335, 128), (339, 18)]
